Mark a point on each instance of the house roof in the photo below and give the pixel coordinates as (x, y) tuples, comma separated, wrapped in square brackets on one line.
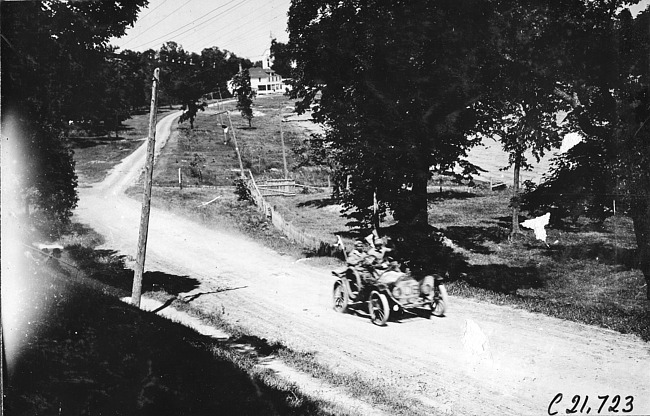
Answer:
[(257, 72)]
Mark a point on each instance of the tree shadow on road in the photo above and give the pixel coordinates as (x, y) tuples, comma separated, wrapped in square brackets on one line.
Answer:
[(109, 267)]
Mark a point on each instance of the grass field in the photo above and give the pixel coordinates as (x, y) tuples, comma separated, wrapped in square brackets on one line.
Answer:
[(96, 155), (206, 157)]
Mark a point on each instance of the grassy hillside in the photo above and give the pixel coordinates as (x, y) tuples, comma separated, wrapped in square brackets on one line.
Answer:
[(72, 349), (208, 158)]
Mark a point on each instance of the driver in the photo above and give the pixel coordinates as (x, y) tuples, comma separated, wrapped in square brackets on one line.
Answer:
[(379, 252), (358, 260)]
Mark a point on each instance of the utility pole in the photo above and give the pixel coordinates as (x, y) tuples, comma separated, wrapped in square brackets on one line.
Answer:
[(234, 137), (136, 292), (220, 109), (284, 154)]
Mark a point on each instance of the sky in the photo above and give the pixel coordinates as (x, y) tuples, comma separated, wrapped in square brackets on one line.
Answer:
[(243, 27)]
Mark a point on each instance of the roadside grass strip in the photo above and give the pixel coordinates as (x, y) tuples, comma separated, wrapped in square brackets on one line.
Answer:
[(336, 398)]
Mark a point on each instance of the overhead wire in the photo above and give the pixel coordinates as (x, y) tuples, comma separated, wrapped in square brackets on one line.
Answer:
[(161, 20), (260, 30), (179, 37), (152, 10), (214, 35), (217, 34), (140, 19), (193, 21)]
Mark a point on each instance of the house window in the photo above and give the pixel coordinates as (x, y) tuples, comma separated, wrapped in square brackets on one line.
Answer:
[(259, 79), (261, 87)]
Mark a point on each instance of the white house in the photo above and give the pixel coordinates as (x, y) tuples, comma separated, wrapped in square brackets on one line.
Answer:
[(265, 81)]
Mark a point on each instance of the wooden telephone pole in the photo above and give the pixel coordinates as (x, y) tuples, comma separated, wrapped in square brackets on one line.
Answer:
[(136, 292), (284, 154), (234, 137)]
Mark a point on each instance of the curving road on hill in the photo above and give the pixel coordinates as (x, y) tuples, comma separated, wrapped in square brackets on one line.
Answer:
[(480, 359)]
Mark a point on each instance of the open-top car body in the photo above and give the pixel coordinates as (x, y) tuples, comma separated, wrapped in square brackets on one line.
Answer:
[(391, 291)]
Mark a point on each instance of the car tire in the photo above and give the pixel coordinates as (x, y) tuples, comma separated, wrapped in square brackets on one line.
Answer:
[(340, 297), (439, 302), (378, 308)]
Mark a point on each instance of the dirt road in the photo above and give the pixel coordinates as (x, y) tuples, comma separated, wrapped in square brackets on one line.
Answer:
[(480, 359)]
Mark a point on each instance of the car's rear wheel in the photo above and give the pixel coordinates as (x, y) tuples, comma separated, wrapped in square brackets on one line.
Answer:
[(378, 308), (341, 298), (439, 302)]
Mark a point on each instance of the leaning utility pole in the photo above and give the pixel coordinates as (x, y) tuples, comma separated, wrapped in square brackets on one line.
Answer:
[(241, 165), (284, 154), (136, 292)]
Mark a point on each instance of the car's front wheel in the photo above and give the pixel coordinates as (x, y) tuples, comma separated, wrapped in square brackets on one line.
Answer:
[(378, 308)]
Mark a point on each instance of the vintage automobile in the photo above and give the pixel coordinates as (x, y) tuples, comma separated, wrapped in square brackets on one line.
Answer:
[(392, 290)]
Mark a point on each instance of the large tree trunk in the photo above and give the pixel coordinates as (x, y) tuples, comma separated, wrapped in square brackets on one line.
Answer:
[(420, 200), (641, 219)]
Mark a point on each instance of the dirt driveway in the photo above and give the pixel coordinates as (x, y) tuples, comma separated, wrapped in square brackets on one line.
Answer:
[(480, 359)]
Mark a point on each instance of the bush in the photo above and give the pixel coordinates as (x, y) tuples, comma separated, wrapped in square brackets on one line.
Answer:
[(242, 190)]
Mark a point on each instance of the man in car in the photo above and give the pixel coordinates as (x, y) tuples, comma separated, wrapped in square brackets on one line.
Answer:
[(360, 262), (379, 255), (356, 256)]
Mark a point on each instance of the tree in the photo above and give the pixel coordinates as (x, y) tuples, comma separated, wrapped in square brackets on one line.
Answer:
[(54, 55), (244, 92), (397, 81), (190, 109), (526, 126), (606, 82), (282, 59)]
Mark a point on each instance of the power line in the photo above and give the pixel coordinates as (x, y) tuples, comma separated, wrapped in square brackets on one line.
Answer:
[(214, 17), (195, 20), (217, 33), (262, 27), (142, 18), (152, 10), (161, 20), (252, 33)]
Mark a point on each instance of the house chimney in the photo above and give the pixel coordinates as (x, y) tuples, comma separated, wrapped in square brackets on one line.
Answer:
[(240, 70)]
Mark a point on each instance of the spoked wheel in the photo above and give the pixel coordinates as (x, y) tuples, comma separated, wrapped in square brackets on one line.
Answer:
[(378, 308), (439, 302), (341, 297)]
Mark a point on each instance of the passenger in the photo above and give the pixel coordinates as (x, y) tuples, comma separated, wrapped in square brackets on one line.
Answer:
[(356, 256), (382, 262), (379, 251)]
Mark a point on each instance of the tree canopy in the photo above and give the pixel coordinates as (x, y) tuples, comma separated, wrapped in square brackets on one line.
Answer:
[(281, 55), (608, 91), (56, 69), (392, 98), (403, 83)]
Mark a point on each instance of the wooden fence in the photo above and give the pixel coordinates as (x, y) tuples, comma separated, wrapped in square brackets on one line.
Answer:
[(295, 234)]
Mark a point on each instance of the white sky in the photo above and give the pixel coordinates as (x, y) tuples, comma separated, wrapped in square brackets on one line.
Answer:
[(243, 27)]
